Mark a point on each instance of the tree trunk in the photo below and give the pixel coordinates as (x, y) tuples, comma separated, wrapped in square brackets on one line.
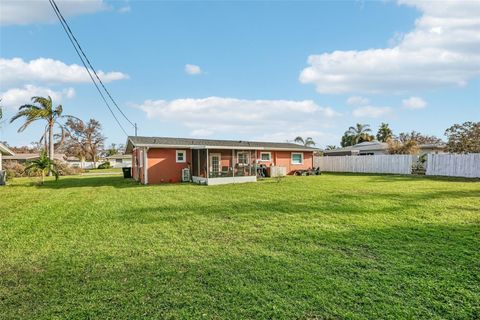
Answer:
[(43, 176), (51, 146)]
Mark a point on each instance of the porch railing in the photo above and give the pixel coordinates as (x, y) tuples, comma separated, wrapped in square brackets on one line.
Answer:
[(237, 171)]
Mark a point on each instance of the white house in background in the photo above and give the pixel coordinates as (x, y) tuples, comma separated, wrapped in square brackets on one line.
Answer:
[(4, 151), (120, 160), (379, 148), (25, 157)]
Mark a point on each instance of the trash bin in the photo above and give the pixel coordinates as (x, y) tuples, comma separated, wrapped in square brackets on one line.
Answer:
[(3, 177), (127, 172)]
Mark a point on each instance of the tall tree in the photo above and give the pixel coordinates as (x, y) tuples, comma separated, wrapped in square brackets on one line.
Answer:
[(330, 147), (361, 133), (347, 140), (396, 146), (464, 138), (42, 109), (84, 140), (384, 133), (418, 137), (307, 142)]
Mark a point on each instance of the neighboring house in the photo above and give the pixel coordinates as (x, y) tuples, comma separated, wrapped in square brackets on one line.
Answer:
[(379, 148), (160, 159), (25, 157), (120, 160), (4, 152)]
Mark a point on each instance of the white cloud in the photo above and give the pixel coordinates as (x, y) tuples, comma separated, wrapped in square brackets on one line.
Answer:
[(414, 103), (124, 9), (442, 50), (371, 112), (357, 101), (15, 97), (48, 70), (193, 69), (260, 118), (21, 12)]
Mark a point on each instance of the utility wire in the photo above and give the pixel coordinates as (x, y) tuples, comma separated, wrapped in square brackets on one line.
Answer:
[(71, 37)]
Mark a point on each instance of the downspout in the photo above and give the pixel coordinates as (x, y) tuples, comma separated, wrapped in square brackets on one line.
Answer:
[(145, 165)]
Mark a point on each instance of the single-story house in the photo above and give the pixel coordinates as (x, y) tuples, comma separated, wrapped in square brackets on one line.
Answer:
[(205, 161), (4, 152), (120, 160), (25, 157), (379, 148)]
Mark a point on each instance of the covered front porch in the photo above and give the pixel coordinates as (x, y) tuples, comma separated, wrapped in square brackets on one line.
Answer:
[(223, 166)]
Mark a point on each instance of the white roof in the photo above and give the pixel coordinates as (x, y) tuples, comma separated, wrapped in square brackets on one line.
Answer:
[(5, 151)]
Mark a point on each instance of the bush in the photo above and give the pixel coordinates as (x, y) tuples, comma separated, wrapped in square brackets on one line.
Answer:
[(66, 170), (17, 170), (105, 165)]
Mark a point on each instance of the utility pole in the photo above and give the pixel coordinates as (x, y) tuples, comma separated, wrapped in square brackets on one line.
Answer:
[(135, 129)]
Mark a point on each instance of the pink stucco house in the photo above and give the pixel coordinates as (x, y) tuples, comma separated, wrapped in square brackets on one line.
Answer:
[(162, 159)]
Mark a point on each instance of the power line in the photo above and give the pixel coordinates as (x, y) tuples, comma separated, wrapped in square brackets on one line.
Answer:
[(73, 40)]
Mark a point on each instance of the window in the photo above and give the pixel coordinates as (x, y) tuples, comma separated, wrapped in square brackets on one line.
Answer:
[(181, 156), (118, 160), (242, 158), (297, 158), (265, 156)]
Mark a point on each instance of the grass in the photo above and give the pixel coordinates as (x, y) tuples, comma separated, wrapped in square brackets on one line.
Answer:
[(324, 247), (103, 171)]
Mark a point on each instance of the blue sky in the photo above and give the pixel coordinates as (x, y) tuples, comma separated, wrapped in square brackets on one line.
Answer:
[(258, 70)]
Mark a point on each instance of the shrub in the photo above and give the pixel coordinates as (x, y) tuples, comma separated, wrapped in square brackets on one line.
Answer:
[(66, 170), (105, 165), (16, 170)]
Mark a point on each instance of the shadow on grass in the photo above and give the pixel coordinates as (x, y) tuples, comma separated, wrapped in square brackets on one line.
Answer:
[(396, 272), (385, 177), (91, 181), (312, 205)]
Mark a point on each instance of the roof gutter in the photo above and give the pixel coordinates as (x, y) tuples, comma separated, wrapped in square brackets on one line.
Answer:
[(219, 147)]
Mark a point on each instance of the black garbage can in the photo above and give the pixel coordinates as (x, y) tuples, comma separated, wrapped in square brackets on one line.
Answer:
[(127, 172)]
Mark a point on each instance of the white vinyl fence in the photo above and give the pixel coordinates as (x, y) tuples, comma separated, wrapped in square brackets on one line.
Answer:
[(397, 164), (454, 165)]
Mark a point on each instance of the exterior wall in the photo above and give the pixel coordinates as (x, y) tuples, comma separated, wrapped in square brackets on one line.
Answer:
[(137, 172), (162, 165), (284, 159), (163, 168)]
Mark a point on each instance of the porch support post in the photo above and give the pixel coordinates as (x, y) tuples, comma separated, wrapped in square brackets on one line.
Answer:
[(255, 163), (145, 165), (198, 163), (208, 167), (233, 163)]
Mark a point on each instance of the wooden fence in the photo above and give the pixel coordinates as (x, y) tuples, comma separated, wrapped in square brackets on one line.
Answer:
[(454, 165), (397, 164)]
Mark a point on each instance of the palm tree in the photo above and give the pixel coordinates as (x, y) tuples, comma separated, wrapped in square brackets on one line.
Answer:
[(43, 164), (384, 133), (330, 147), (360, 133), (44, 111), (307, 142)]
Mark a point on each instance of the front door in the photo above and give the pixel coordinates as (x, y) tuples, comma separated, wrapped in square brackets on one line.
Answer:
[(215, 164)]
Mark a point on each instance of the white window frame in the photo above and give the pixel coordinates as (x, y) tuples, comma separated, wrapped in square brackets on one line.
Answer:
[(269, 156), (219, 155), (291, 158), (184, 152), (248, 158)]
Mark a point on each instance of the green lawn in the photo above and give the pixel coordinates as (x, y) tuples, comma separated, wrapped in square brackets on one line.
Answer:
[(324, 247)]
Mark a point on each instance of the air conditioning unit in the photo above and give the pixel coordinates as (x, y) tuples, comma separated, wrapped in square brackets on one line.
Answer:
[(186, 175)]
